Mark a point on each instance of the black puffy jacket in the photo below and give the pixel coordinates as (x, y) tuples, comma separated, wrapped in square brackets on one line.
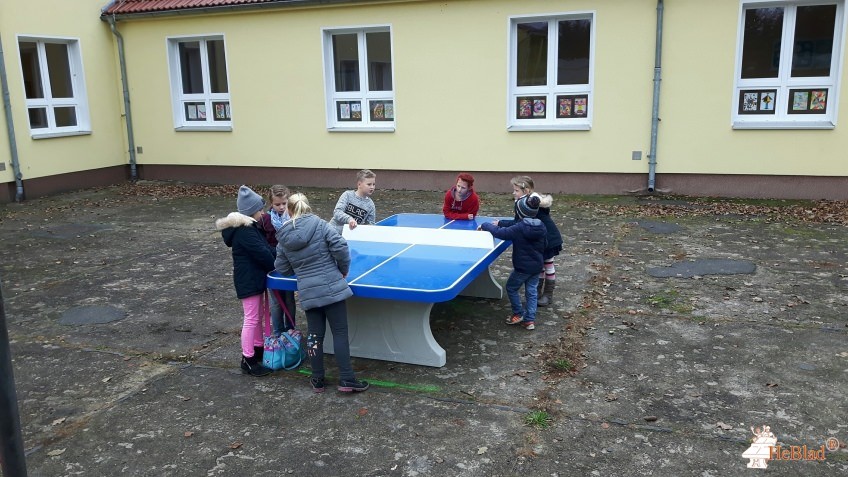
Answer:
[(253, 258)]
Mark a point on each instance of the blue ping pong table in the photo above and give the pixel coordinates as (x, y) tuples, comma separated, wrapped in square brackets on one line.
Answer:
[(395, 283)]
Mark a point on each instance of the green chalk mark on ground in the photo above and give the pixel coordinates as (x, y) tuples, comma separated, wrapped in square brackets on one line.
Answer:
[(424, 388)]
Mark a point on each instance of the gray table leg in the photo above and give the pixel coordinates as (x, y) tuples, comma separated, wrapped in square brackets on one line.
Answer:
[(484, 286), (391, 330)]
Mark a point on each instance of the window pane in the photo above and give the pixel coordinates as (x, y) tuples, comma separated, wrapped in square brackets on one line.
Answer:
[(813, 48), (190, 69), (573, 61), (532, 67), (379, 61), (59, 70), (65, 116), (37, 118), (217, 66), (761, 48), (32, 72), (346, 62)]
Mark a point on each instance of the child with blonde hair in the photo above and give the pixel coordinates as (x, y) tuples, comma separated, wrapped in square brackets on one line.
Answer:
[(355, 207), (311, 249), (523, 186)]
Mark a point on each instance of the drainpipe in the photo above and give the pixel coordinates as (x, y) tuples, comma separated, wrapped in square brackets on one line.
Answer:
[(655, 114), (126, 88), (10, 130)]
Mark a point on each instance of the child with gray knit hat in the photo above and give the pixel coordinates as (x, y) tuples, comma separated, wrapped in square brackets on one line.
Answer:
[(528, 244), (253, 258)]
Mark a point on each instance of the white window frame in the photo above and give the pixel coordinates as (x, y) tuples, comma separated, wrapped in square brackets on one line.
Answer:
[(179, 99), (784, 82), (80, 99), (363, 95), (551, 90)]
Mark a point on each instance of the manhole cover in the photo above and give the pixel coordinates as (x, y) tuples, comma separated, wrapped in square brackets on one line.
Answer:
[(91, 315), (710, 266)]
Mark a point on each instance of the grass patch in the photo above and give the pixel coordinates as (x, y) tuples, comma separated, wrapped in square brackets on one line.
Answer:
[(562, 364), (538, 419), (669, 300)]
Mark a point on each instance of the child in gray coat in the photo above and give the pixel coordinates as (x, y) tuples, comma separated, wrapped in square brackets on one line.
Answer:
[(310, 248)]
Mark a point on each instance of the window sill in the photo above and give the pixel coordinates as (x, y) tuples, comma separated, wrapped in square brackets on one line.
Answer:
[(49, 135), (204, 128), (390, 129), (783, 125), (549, 127)]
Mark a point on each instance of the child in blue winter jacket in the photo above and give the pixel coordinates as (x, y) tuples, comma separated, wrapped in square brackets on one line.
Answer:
[(253, 258), (528, 245)]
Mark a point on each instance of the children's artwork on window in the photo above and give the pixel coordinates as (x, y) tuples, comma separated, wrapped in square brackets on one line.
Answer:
[(807, 101), (382, 111), (572, 106), (800, 100), (564, 107), (580, 106), (525, 106), (767, 101), (757, 101), (349, 111), (531, 107), (818, 100), (195, 111), (222, 111), (539, 108)]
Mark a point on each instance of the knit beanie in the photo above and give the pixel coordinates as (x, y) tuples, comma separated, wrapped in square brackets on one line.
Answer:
[(249, 202), (527, 206)]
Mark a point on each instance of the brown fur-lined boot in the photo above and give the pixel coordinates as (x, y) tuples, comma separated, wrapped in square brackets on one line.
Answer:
[(547, 296)]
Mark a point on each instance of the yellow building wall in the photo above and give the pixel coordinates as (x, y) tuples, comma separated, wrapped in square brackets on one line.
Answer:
[(450, 77), (697, 101), (79, 19)]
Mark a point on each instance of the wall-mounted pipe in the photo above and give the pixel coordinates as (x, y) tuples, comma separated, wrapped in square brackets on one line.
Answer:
[(10, 129), (126, 89), (655, 113)]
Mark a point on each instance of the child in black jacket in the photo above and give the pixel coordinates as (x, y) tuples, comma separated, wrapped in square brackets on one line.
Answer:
[(253, 258), (528, 246)]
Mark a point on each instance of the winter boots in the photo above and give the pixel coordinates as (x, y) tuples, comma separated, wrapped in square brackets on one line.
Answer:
[(546, 297), (253, 366)]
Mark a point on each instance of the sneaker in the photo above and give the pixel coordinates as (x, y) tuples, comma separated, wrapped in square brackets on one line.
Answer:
[(317, 385), (514, 320), (528, 325), (351, 386)]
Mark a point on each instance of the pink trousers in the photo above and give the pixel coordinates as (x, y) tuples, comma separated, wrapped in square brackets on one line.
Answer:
[(251, 331)]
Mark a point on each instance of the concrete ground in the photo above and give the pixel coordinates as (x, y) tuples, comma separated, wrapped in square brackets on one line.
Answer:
[(679, 326)]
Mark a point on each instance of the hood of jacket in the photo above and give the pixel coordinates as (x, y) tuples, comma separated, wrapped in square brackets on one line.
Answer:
[(228, 225), (297, 233)]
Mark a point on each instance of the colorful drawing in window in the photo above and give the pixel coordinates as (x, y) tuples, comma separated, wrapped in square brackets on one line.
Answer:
[(377, 111), (767, 101), (564, 108), (344, 111), (389, 110), (580, 105), (539, 108), (800, 99), (818, 100), (524, 108), (356, 111)]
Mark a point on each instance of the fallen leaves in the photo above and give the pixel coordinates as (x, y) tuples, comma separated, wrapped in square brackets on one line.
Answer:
[(56, 452), (723, 426)]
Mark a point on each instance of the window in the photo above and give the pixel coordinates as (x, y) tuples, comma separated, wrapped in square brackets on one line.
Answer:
[(551, 72), (199, 86), (788, 61), (54, 86), (358, 77)]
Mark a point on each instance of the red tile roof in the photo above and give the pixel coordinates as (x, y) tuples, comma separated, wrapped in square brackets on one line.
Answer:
[(129, 7)]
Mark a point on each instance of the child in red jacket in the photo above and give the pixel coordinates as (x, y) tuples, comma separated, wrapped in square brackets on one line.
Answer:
[(461, 202)]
